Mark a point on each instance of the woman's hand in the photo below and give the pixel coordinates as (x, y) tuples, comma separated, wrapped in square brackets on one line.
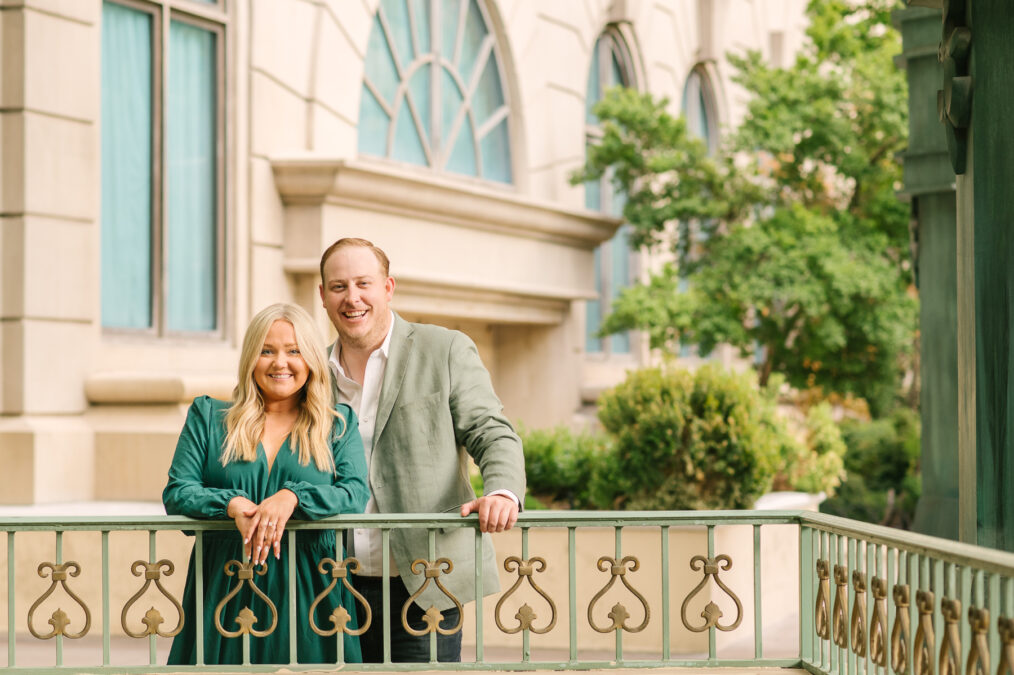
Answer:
[(268, 524), (243, 511)]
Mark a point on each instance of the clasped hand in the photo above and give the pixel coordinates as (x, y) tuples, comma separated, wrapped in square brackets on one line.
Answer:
[(262, 525)]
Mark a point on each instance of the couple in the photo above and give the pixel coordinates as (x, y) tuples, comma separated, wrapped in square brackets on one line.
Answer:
[(411, 396)]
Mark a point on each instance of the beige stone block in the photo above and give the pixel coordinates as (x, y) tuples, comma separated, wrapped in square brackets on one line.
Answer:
[(60, 269), (62, 65), (12, 161), (50, 460), (132, 464), (562, 54), (269, 282), (56, 357), (17, 480), (333, 135), (556, 138), (12, 67), (85, 12), (12, 358), (284, 34), (355, 19), (267, 213), (278, 118), (12, 268), (62, 167), (338, 70)]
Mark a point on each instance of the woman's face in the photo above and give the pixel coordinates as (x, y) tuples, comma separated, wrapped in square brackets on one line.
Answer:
[(280, 371)]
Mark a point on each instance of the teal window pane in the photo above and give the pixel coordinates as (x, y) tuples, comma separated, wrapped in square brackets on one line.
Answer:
[(126, 246), (380, 69), (407, 144), (396, 13), (192, 274), (593, 195), (594, 87), (620, 279), (421, 16), (419, 90), (450, 104), (475, 33), (496, 154), (463, 159), (593, 311), (450, 13), (488, 96), (616, 71), (373, 125)]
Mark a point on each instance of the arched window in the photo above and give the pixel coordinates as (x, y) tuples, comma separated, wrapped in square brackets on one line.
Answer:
[(614, 261), (432, 90)]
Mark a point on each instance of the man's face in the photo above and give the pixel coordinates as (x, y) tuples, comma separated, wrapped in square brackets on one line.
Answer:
[(356, 294)]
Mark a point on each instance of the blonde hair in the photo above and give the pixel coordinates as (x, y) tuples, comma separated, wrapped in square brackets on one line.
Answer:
[(313, 432)]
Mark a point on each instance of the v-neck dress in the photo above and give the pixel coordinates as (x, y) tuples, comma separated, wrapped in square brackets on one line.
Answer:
[(200, 487)]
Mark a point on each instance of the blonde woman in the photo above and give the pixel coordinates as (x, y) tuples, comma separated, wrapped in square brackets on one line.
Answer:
[(277, 451)]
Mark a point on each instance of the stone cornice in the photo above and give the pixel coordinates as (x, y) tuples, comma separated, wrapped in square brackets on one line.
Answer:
[(379, 186)]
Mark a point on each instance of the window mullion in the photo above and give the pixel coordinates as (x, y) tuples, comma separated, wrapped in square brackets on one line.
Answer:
[(440, 154), (160, 288)]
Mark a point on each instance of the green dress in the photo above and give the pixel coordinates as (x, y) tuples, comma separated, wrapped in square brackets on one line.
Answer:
[(200, 487)]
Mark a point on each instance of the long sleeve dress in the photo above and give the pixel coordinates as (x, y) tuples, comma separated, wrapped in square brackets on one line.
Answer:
[(200, 487)]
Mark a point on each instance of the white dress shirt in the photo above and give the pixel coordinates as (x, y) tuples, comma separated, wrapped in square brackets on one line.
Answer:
[(364, 400)]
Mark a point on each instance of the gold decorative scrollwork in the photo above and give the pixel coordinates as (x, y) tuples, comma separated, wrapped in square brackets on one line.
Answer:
[(822, 623), (340, 616), (432, 617), (950, 645), (59, 620), (152, 618), (924, 638), (619, 613), (901, 630), (978, 653), (857, 628), (246, 619), (1005, 626), (839, 622), (526, 615), (712, 613), (878, 625)]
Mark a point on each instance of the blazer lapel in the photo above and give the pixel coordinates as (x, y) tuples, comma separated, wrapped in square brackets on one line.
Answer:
[(394, 373)]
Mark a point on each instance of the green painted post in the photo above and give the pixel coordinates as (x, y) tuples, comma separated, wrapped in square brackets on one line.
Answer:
[(711, 631), (572, 590), (991, 149), (666, 646), (526, 646), (199, 586), (105, 597), (59, 561), (929, 184), (479, 652), (293, 619), (152, 644), (758, 640), (806, 599), (11, 633)]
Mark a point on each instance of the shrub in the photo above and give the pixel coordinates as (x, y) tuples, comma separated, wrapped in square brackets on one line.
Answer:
[(817, 463), (882, 463), (703, 440), (562, 465)]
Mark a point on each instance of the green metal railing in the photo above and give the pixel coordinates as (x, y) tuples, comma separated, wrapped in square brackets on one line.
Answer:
[(870, 599)]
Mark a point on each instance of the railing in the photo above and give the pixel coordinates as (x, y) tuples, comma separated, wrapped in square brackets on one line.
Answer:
[(580, 590)]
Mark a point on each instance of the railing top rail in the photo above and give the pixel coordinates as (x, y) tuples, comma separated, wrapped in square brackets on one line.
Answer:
[(968, 555), (393, 520)]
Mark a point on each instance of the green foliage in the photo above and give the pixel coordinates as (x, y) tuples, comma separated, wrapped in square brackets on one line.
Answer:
[(703, 440), (882, 464), (792, 237), (817, 463), (562, 465), (530, 503)]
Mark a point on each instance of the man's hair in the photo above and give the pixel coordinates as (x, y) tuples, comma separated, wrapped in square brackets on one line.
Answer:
[(348, 242)]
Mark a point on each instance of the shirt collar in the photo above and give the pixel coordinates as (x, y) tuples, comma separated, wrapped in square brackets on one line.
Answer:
[(334, 359)]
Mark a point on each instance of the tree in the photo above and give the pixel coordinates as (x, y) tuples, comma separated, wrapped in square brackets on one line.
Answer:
[(790, 242)]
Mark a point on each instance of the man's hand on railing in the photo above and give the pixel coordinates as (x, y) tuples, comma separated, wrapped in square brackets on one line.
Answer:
[(497, 513)]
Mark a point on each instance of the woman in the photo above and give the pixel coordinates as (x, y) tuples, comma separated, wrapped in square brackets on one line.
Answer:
[(276, 451)]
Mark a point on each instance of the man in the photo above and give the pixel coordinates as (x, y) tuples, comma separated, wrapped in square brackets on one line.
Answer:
[(422, 395)]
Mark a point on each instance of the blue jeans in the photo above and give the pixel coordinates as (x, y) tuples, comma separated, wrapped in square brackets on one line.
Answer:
[(405, 647)]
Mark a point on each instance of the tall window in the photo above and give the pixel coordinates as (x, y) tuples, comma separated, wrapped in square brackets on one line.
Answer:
[(162, 166), (614, 261), (433, 91), (699, 112)]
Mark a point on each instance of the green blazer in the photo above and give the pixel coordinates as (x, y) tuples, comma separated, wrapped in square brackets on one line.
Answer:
[(436, 403)]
